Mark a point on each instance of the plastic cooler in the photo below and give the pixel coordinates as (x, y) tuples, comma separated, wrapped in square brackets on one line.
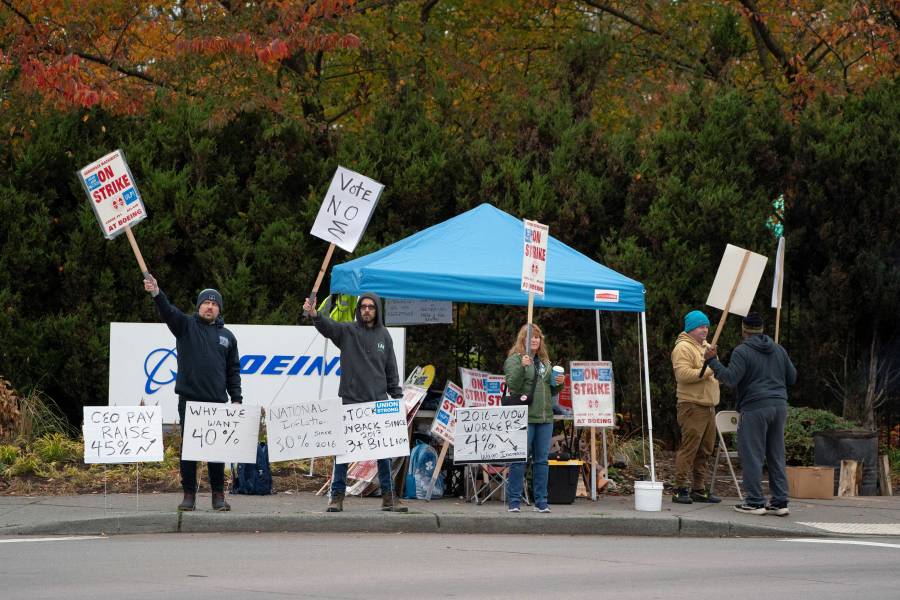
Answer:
[(563, 481)]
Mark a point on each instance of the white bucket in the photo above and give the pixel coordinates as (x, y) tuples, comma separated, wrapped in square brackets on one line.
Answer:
[(648, 496)]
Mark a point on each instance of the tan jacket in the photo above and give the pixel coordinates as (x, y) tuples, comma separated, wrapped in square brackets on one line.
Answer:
[(687, 360)]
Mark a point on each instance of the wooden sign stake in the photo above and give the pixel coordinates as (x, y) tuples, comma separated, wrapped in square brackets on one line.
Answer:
[(734, 287), (137, 251), (321, 275)]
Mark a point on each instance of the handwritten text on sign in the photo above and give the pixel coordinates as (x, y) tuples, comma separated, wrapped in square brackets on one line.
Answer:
[(494, 434), (445, 417), (592, 393), (304, 429), (534, 257), (122, 434), (114, 196), (374, 430), (347, 208), (227, 433)]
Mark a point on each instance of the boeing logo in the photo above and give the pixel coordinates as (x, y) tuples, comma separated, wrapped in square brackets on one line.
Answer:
[(162, 360), (158, 358)]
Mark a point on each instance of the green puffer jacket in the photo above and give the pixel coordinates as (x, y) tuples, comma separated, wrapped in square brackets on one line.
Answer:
[(519, 380)]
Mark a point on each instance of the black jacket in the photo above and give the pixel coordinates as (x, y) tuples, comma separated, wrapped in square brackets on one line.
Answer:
[(759, 372), (368, 363), (208, 361)]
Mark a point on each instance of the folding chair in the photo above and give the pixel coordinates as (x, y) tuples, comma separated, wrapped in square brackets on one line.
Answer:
[(495, 479), (726, 422)]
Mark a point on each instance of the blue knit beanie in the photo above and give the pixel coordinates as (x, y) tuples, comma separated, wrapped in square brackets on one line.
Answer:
[(695, 319), (210, 294)]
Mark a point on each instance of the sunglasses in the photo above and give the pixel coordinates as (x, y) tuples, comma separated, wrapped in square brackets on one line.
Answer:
[(366, 307)]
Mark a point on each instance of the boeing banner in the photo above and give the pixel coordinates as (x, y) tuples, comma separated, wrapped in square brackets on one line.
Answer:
[(279, 364)]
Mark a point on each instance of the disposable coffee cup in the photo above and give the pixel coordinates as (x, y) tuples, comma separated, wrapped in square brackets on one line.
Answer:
[(558, 370)]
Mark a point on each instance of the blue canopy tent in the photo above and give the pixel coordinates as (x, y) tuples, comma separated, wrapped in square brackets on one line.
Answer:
[(477, 257)]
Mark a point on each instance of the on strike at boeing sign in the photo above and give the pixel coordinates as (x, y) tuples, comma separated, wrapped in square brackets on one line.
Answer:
[(592, 393), (374, 430), (305, 429), (114, 196), (122, 434), (279, 364), (534, 258), (347, 209), (226, 433), (445, 416)]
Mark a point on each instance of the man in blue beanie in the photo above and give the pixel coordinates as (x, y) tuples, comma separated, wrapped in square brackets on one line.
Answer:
[(759, 372), (697, 400), (209, 370)]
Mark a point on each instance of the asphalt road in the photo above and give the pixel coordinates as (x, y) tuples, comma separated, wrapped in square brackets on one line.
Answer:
[(414, 567)]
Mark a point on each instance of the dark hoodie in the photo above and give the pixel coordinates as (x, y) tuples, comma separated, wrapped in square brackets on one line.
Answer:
[(368, 364), (208, 361), (759, 372)]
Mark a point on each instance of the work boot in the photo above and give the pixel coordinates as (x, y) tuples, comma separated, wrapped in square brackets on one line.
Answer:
[(188, 503), (336, 504), (218, 502), (682, 496), (704, 496), (390, 502)]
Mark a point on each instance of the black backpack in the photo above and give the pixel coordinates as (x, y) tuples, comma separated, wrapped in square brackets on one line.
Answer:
[(253, 479)]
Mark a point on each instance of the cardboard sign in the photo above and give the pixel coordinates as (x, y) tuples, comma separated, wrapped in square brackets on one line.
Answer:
[(122, 434), (347, 209), (445, 417), (374, 430), (481, 388), (417, 312), (305, 429), (279, 363), (225, 433), (110, 187), (492, 434), (778, 280), (412, 399), (534, 257), (726, 276), (592, 393)]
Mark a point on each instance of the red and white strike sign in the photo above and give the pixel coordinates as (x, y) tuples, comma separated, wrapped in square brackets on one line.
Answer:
[(534, 257), (110, 186)]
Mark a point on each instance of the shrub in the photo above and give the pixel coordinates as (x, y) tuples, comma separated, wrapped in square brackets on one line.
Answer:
[(802, 424), (23, 465), (8, 454), (56, 447)]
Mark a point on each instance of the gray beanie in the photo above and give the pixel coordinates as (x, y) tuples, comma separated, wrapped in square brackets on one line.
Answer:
[(210, 294)]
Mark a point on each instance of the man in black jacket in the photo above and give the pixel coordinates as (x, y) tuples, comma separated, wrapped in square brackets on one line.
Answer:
[(759, 372), (209, 370), (368, 373)]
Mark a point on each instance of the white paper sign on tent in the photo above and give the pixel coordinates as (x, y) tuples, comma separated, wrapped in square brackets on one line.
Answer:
[(445, 416), (347, 209), (727, 275), (534, 257), (374, 430), (401, 311), (491, 434), (113, 195), (225, 433), (305, 429), (592, 393), (122, 434)]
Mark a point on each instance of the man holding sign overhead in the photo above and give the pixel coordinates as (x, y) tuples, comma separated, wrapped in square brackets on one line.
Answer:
[(209, 370), (368, 373)]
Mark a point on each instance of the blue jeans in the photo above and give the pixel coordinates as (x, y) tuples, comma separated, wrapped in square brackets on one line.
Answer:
[(761, 437), (539, 435), (339, 478)]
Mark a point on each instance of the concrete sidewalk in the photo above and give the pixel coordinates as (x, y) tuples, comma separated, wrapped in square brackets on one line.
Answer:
[(303, 512)]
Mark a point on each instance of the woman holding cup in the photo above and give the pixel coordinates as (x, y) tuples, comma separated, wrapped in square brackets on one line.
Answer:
[(521, 368)]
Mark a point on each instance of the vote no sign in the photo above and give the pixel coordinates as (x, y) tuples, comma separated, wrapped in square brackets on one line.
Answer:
[(110, 186)]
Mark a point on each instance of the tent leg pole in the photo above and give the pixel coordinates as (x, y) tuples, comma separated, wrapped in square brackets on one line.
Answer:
[(647, 387), (593, 442)]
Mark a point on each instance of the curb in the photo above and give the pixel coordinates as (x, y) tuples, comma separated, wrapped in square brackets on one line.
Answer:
[(413, 522)]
